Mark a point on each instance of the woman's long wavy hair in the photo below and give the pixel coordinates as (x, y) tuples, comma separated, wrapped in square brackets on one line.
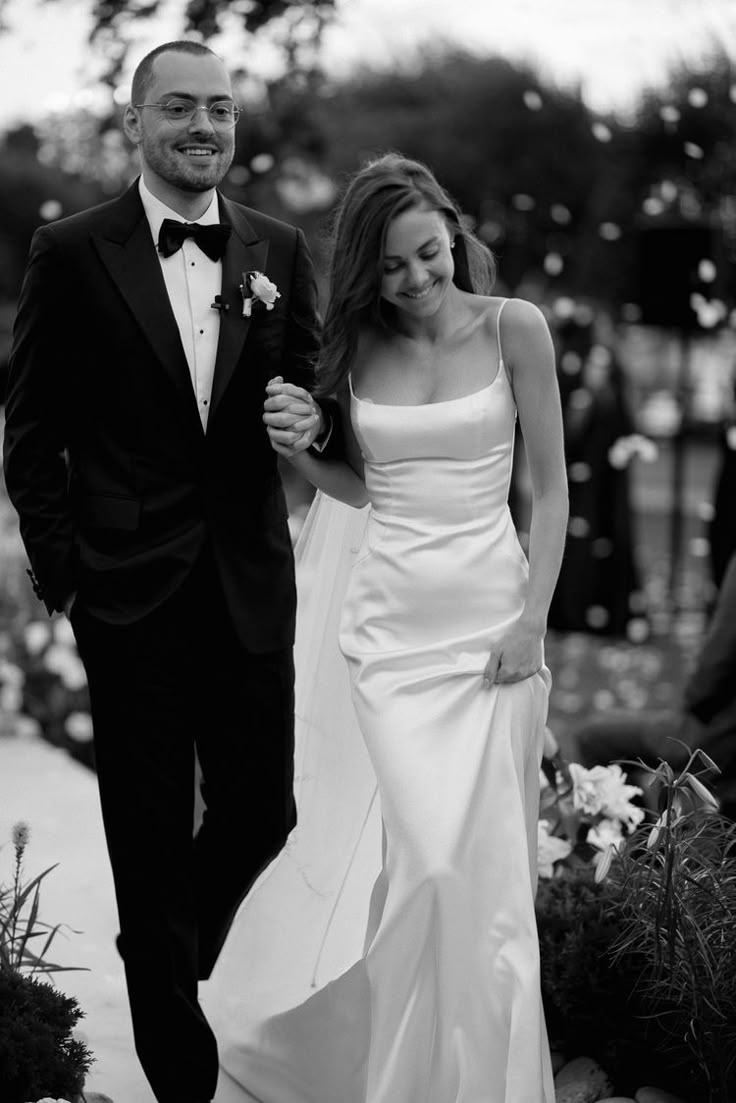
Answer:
[(381, 190)]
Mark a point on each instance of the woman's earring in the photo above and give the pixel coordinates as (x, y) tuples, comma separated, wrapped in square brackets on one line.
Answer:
[(452, 244)]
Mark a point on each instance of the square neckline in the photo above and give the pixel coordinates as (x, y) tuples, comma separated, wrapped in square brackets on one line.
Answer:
[(421, 405), (442, 401)]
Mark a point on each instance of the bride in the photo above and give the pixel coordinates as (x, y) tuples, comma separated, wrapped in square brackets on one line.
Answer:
[(390, 954)]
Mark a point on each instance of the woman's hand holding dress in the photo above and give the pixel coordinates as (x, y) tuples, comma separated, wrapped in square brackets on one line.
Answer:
[(517, 655)]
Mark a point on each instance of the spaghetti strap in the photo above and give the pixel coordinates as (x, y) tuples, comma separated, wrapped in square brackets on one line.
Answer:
[(498, 331)]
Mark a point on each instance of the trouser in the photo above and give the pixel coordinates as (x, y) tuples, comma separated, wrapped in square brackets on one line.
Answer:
[(177, 680)]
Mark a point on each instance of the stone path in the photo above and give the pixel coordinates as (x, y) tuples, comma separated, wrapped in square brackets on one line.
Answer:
[(57, 797)]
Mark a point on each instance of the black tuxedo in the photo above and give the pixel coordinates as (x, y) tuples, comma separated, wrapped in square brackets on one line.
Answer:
[(98, 370), (177, 544)]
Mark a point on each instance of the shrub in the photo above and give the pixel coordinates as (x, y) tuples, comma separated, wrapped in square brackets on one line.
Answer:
[(674, 904), (593, 1005), (38, 1055)]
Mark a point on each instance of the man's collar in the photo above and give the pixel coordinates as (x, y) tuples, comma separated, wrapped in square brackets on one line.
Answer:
[(156, 211)]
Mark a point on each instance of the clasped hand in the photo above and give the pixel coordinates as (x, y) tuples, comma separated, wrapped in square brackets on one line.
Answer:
[(516, 656), (292, 417)]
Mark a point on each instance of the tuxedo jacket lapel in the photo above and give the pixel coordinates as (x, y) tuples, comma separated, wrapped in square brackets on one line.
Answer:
[(129, 254), (245, 252)]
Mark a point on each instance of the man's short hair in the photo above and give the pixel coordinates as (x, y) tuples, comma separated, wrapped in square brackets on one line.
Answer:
[(144, 70)]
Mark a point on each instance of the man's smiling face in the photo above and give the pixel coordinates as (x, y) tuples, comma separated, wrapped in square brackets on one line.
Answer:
[(193, 156)]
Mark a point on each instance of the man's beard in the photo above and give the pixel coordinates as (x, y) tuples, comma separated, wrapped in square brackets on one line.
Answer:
[(169, 166)]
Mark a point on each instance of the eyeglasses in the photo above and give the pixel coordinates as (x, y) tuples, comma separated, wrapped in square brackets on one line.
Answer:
[(223, 115)]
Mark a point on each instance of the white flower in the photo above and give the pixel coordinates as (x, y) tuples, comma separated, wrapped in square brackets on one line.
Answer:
[(605, 833), (263, 289), (587, 792), (37, 634), (617, 798), (653, 836), (550, 849), (602, 863), (258, 288), (700, 790), (602, 790)]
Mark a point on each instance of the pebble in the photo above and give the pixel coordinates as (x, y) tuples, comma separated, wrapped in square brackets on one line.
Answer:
[(585, 1072), (578, 1091), (656, 1095)]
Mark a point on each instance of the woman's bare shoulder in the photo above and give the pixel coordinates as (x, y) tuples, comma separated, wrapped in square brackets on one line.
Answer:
[(520, 315), (488, 310), (522, 328)]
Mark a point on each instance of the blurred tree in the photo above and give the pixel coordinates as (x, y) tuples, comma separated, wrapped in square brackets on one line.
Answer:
[(31, 193), (293, 26), (686, 134), (684, 168), (518, 154), (555, 190)]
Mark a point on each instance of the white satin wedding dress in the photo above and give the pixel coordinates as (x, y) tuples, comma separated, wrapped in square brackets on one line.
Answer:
[(425, 989)]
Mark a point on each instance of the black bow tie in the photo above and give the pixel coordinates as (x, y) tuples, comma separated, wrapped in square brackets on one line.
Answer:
[(211, 239)]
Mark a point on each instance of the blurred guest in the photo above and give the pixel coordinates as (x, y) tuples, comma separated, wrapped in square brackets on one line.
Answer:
[(598, 588), (705, 718), (722, 533)]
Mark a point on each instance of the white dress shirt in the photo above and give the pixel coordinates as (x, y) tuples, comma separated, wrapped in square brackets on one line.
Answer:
[(192, 281)]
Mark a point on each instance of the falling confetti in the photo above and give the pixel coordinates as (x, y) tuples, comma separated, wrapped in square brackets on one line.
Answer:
[(532, 100), (50, 210), (262, 162), (669, 114), (578, 526), (601, 132), (579, 472), (560, 213), (653, 206), (609, 231), (553, 264), (697, 97)]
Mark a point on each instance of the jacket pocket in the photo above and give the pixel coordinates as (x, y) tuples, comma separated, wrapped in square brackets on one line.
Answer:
[(106, 511)]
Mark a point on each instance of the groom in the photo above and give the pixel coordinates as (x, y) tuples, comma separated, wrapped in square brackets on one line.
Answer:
[(153, 514)]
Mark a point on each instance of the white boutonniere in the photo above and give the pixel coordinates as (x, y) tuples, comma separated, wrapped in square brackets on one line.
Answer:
[(257, 288)]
